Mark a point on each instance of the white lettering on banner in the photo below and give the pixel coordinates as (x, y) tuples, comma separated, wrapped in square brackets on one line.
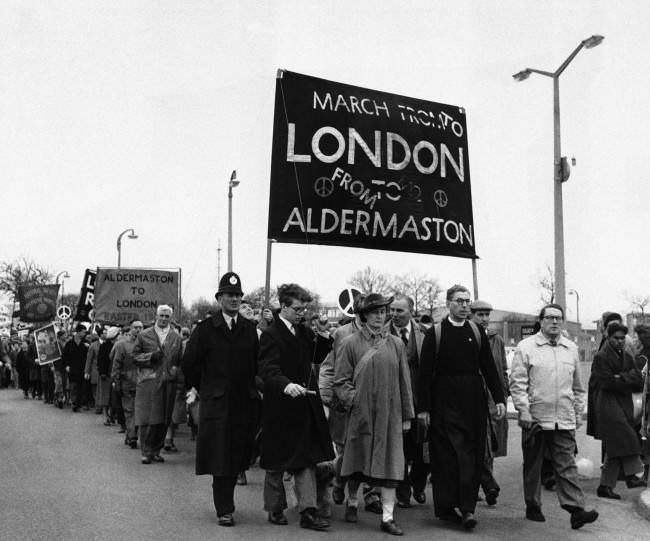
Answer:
[(358, 106), (349, 222), (438, 157)]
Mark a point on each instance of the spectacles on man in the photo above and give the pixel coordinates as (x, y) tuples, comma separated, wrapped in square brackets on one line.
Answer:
[(553, 318), (298, 309), (462, 302)]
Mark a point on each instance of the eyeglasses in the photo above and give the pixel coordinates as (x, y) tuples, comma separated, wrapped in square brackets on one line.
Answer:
[(462, 302), (298, 309), (553, 318)]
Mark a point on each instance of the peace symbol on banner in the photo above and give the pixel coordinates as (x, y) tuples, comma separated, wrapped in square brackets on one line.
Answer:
[(323, 186), (64, 312), (346, 300)]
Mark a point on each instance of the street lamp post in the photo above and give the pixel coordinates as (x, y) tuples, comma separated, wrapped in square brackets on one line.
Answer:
[(560, 168), (232, 184), (574, 292), (132, 235), (65, 275)]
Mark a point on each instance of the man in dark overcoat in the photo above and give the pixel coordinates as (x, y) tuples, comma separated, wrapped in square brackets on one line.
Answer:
[(295, 435), (220, 365), (614, 377), (157, 354), (74, 359)]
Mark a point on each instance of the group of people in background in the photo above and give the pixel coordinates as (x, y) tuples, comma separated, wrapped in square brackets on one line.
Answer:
[(371, 411)]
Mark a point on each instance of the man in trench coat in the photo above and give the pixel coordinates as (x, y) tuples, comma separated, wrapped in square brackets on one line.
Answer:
[(295, 435), (157, 354), (220, 364)]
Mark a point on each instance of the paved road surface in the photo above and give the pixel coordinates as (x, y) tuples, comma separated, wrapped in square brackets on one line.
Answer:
[(65, 476)]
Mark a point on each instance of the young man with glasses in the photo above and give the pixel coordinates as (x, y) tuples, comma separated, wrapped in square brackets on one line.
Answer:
[(546, 390), (455, 366), (295, 435)]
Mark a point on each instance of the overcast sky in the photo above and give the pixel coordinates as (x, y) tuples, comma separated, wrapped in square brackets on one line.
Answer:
[(134, 114)]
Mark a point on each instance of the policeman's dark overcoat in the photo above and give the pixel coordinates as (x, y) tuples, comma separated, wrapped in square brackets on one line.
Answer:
[(295, 434), (222, 364)]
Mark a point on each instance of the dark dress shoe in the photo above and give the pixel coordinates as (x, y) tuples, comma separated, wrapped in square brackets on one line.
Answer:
[(338, 495), (278, 518), (374, 507), (157, 458), (468, 521), (491, 496), (450, 516), (390, 527), (122, 430), (404, 504), (351, 513), (535, 514), (226, 520), (632, 481), (309, 520), (580, 517), (146, 460), (607, 492), (420, 497), (133, 443)]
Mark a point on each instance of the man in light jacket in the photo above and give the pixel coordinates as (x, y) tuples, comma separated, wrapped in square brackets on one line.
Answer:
[(546, 390)]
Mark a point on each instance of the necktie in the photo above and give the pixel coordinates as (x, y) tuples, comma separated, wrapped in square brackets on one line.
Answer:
[(404, 337), (232, 324)]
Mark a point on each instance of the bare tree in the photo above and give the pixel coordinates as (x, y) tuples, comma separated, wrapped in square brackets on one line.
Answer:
[(639, 302), (370, 280), (546, 281), (432, 291), (256, 297), (23, 271), (200, 307)]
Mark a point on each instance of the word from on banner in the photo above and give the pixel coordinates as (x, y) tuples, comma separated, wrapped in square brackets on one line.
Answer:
[(87, 296), (358, 167), (37, 303), (122, 295)]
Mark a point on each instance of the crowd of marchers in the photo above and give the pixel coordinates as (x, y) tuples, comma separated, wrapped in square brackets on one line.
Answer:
[(372, 410)]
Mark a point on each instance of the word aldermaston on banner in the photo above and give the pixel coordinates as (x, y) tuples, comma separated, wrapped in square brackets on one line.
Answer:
[(359, 167), (122, 295)]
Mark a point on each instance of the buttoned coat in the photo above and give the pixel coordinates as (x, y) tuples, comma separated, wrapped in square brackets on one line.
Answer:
[(614, 377), (413, 351), (294, 430), (500, 426), (157, 365), (221, 365)]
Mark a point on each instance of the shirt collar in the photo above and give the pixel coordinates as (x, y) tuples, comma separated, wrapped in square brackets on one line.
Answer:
[(407, 327), (287, 323), (454, 323), (228, 318), (541, 340)]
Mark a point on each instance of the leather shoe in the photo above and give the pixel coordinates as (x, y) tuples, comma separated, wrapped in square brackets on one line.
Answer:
[(450, 516), (351, 513), (468, 521), (420, 497), (338, 495), (309, 520), (226, 520), (157, 458), (133, 443), (404, 504), (632, 481), (374, 507), (146, 460), (607, 492), (535, 514), (580, 517), (491, 496), (278, 518), (390, 527)]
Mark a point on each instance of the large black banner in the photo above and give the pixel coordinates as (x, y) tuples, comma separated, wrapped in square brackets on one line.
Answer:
[(37, 302), (86, 296), (358, 167)]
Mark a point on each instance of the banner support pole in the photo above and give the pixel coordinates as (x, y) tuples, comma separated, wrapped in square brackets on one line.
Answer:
[(267, 282), (475, 278)]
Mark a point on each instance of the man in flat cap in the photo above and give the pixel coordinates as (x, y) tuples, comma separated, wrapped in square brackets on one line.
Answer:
[(498, 428), (220, 364)]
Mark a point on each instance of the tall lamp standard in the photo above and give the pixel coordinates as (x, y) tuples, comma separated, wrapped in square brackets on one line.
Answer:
[(132, 235), (232, 184), (574, 292), (65, 275), (560, 166)]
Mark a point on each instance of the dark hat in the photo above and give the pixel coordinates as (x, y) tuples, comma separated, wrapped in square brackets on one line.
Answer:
[(80, 328), (610, 316), (230, 283), (477, 306), (642, 330), (374, 301)]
